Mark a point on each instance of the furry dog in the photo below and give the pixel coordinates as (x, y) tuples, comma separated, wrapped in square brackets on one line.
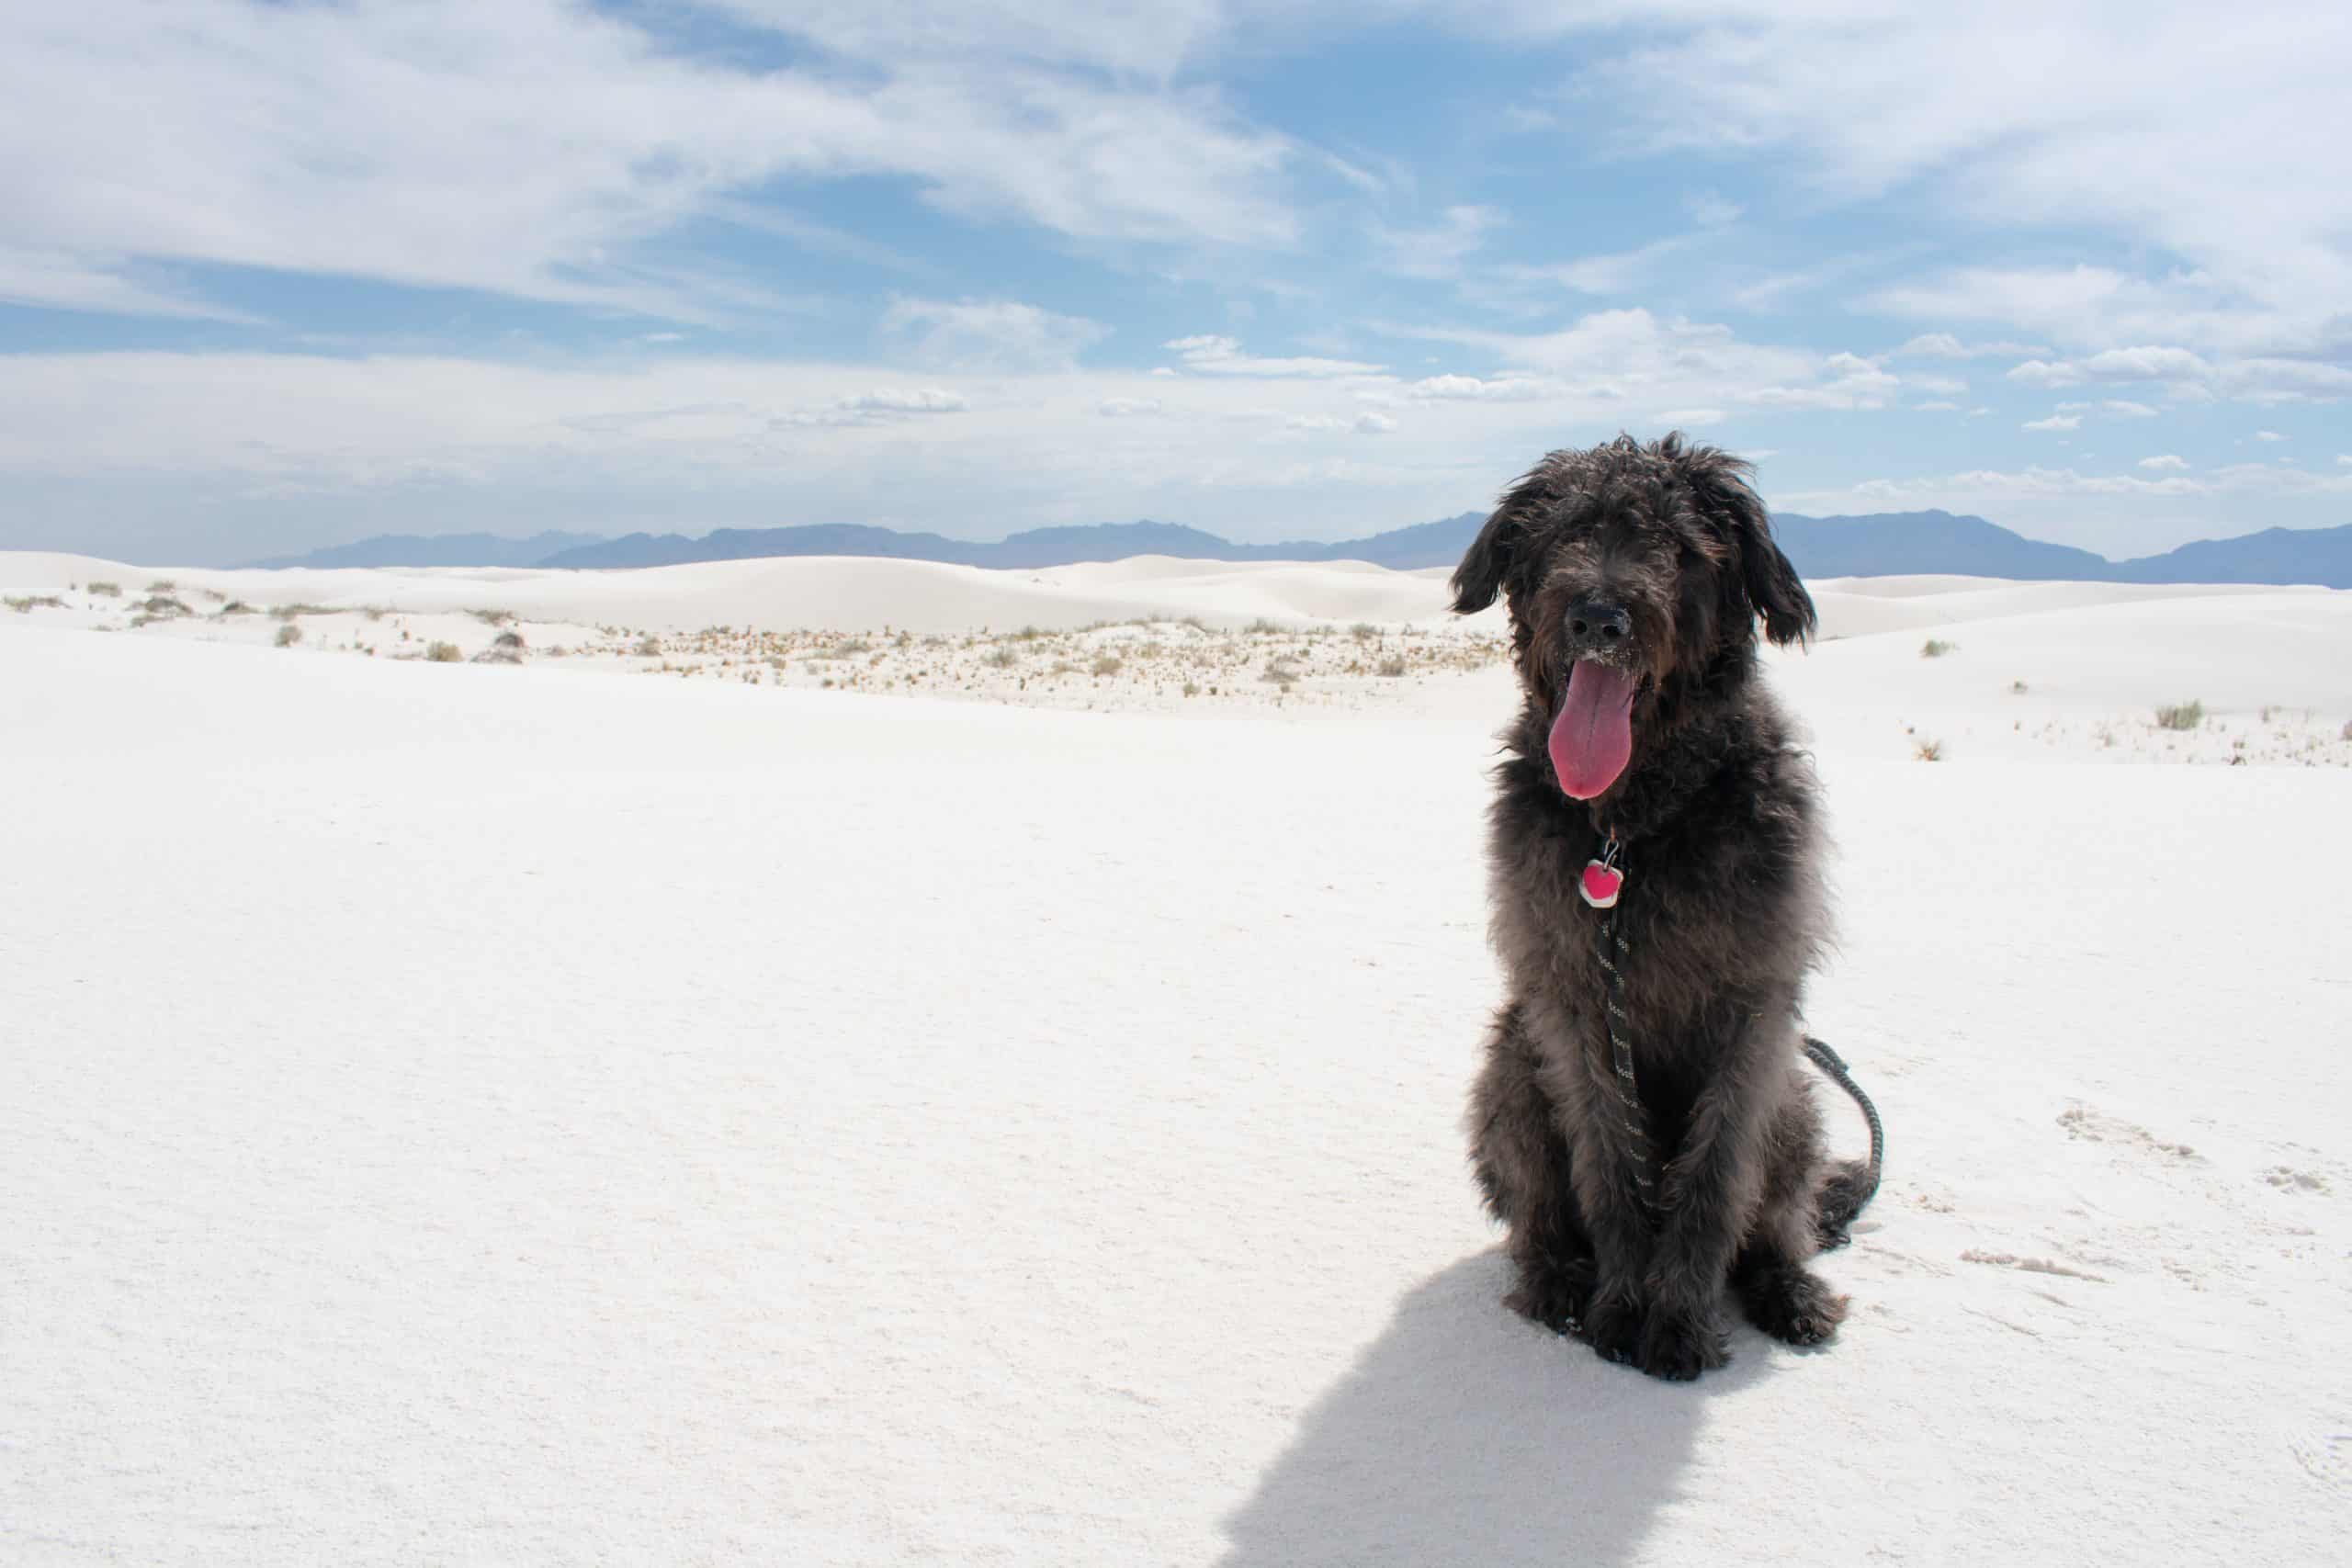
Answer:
[(1636, 576)]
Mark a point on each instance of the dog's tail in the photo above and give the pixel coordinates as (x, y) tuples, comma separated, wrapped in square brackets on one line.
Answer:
[(1855, 1182)]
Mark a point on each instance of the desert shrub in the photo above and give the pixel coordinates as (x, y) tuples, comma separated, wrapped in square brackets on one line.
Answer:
[(647, 647), (1392, 668), (2181, 715), (2017, 687), (1029, 634), (163, 585), (1107, 665), (505, 649), (1280, 672), (1936, 648), (1927, 751), (1262, 627), (491, 618), (294, 612), (27, 606), (444, 653), (288, 634), (1363, 631), (159, 607), (854, 645), (105, 590), (238, 607), (1193, 689), (1001, 659)]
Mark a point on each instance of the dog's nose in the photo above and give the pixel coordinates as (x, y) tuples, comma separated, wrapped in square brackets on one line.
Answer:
[(1597, 625)]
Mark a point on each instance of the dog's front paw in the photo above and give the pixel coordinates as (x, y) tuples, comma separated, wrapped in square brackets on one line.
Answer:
[(1678, 1343), (1613, 1322), (1554, 1294)]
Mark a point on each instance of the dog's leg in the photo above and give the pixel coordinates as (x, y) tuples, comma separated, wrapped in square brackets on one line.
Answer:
[(1780, 1294), (1603, 1150), (1522, 1165), (1713, 1189)]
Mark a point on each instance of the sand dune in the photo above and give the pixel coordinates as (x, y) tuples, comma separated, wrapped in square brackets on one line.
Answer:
[(455, 1113)]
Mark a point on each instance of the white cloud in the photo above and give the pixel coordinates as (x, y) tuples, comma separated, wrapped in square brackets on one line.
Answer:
[(1938, 404), (920, 399), (2344, 458), (2055, 422), (990, 335), (1223, 356), (533, 148), (2045, 373), (1370, 423), (2267, 435), (1129, 408), (1944, 345), (1691, 419), (1472, 388), (2167, 462), (1620, 272), (1877, 98), (1438, 252)]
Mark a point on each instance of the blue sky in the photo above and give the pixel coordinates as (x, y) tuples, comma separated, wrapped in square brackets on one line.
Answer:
[(277, 276)]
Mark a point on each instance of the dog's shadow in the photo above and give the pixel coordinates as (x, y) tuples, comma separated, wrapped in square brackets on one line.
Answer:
[(1464, 1435)]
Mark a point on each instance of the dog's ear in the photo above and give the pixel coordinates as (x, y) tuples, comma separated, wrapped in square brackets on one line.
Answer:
[(1493, 555), (1774, 589)]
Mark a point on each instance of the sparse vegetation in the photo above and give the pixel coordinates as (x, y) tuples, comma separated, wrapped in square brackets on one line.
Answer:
[(104, 589), (31, 603), (288, 634), (1001, 659), (1262, 627), (2181, 715), (505, 649), (1281, 672), (160, 607), (1927, 751), (2017, 687), (238, 607), (295, 612), (444, 653), (1936, 648), (491, 618), (1392, 668), (163, 585), (1363, 631), (1109, 664), (648, 646)]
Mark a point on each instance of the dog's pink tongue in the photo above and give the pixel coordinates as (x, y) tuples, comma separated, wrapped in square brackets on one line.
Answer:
[(1593, 738)]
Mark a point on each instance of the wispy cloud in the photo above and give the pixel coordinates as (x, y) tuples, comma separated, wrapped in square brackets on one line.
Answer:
[(1222, 355)]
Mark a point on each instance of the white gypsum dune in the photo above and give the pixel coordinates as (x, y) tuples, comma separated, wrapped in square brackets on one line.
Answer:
[(451, 1112)]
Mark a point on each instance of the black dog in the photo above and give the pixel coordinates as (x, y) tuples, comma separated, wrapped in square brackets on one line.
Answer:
[(1636, 576)]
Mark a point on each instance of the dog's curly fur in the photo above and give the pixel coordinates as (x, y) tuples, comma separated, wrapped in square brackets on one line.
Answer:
[(1723, 910)]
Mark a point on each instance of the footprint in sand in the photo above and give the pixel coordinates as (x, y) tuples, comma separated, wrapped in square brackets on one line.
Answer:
[(2095, 1126)]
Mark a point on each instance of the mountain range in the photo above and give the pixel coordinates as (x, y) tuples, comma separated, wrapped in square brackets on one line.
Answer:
[(1884, 544)]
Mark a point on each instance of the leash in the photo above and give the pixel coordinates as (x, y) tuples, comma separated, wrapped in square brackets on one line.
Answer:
[(1603, 881)]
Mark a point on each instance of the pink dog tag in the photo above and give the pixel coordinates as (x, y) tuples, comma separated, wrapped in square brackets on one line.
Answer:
[(1600, 884)]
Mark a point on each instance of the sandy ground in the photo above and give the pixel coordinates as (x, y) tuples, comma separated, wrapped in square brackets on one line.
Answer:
[(1938, 668), (468, 1113)]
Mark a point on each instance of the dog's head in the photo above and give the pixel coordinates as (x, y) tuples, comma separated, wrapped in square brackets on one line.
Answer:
[(1636, 576)]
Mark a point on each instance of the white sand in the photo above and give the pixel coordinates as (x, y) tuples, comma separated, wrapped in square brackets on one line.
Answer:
[(467, 1114)]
